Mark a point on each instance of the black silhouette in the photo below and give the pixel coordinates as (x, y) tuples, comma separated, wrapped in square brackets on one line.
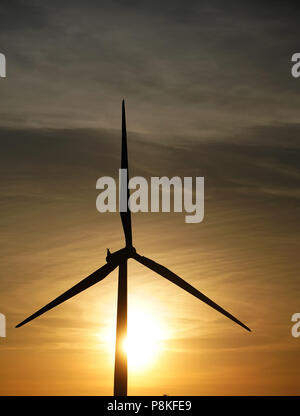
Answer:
[(119, 259)]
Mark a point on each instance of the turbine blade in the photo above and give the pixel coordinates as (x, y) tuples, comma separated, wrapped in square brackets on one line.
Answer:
[(172, 277), (84, 284), (124, 191)]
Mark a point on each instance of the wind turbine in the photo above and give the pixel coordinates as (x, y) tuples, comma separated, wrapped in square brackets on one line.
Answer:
[(119, 259)]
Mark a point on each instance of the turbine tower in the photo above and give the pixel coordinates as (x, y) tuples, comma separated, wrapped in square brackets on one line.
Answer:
[(119, 259)]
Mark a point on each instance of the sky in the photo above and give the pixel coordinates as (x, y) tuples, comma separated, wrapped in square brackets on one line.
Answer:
[(208, 92)]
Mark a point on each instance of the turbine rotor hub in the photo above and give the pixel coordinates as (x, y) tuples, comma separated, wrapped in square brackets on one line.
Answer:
[(124, 253)]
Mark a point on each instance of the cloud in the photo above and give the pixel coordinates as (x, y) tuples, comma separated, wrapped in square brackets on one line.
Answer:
[(197, 69)]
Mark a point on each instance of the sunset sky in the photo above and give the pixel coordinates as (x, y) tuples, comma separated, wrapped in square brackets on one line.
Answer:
[(208, 92)]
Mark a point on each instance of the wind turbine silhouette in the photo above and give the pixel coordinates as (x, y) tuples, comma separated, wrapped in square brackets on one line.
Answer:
[(119, 259)]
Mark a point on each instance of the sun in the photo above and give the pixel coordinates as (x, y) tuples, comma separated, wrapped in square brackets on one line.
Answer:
[(144, 341)]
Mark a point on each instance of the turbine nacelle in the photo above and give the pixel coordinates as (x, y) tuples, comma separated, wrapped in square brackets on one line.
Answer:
[(119, 255)]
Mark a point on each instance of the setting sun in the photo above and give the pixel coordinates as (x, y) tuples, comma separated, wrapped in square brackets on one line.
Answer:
[(144, 338), (144, 341)]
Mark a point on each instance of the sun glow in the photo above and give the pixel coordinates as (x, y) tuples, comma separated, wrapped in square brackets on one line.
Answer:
[(144, 341), (144, 338)]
